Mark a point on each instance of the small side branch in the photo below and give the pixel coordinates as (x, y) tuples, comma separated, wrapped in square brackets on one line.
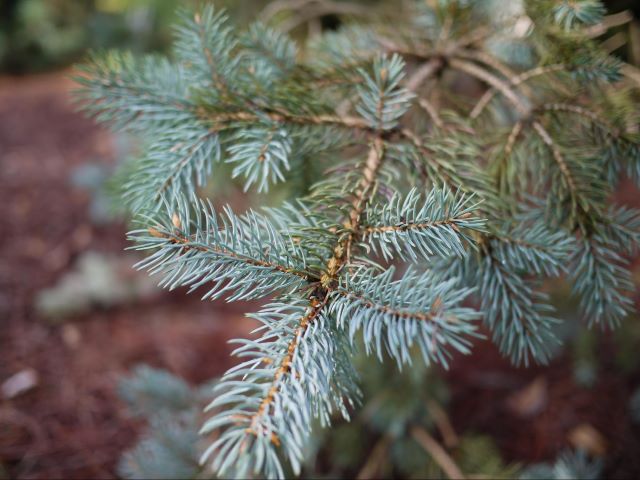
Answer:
[(420, 145), (316, 307), (282, 117), (582, 112), (514, 135), (217, 80), (406, 314), (513, 138), (431, 111), (372, 229), (557, 156), (188, 244), (320, 297)]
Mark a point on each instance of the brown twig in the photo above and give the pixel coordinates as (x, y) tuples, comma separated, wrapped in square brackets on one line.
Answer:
[(581, 111), (423, 72), (188, 244), (371, 468), (431, 111), (283, 117), (437, 452), (443, 423), (610, 21), (557, 156), (514, 82), (494, 81), (319, 298), (406, 314)]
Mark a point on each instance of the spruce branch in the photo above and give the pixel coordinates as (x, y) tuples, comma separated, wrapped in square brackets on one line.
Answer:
[(292, 375), (560, 161), (283, 414), (569, 13), (206, 42), (234, 118), (418, 309), (602, 281), (487, 207), (261, 156), (132, 94), (245, 257), (412, 227), (382, 99), (268, 54), (178, 161), (534, 248), (517, 315), (601, 277)]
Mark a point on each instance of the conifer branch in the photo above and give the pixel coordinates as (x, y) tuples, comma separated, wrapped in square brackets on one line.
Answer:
[(189, 244), (517, 315), (216, 78), (226, 118), (250, 100), (524, 110), (412, 226), (374, 158), (427, 316), (558, 158), (418, 309), (512, 139), (267, 413), (582, 112), (284, 368), (219, 249)]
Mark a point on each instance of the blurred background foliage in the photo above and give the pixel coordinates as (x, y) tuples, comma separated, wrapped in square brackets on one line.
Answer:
[(37, 35)]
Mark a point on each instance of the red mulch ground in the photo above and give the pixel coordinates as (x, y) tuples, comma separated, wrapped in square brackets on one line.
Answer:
[(483, 385), (72, 424)]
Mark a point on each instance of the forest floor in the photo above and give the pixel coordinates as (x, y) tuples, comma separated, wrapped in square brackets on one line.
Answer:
[(71, 424)]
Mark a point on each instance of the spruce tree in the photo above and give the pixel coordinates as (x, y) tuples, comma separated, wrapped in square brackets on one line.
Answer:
[(445, 160)]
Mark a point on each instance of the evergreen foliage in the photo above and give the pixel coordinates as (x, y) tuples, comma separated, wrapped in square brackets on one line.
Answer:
[(570, 464), (393, 419), (172, 410), (487, 188)]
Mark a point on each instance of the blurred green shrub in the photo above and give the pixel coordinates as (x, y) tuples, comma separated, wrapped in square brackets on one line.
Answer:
[(41, 34), (37, 35)]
